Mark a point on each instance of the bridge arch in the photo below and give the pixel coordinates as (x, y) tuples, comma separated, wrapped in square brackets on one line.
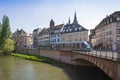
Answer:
[(106, 65)]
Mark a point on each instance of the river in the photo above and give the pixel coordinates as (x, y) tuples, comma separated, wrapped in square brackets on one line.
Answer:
[(13, 68)]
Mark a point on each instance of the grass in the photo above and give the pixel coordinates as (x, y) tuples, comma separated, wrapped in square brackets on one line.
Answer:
[(34, 58), (1, 51)]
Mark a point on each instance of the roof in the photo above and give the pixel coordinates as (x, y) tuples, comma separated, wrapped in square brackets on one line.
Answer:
[(56, 28), (109, 19), (74, 27), (44, 31), (19, 32)]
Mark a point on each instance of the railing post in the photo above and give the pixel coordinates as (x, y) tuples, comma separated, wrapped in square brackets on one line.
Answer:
[(118, 56), (112, 54), (106, 54)]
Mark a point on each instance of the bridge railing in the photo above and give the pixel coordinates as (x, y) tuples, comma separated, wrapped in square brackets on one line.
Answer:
[(112, 55)]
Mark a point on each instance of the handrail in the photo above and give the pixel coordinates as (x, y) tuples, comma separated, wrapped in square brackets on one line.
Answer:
[(112, 55)]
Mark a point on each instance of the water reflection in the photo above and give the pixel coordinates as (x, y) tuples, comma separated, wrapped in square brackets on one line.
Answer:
[(13, 68)]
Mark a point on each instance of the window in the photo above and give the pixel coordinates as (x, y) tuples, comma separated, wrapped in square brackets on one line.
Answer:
[(107, 21), (107, 40), (70, 30), (84, 33), (85, 39), (79, 28), (67, 30), (110, 39), (118, 31), (80, 33), (80, 39), (110, 32), (76, 34), (118, 24), (58, 35), (106, 33), (76, 39), (111, 20), (118, 19), (58, 40), (75, 29), (118, 38)]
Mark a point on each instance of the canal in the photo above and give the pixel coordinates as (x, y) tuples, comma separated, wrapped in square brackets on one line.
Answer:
[(13, 68)]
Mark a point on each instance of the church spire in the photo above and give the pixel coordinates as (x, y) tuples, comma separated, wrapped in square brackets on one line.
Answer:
[(75, 18), (69, 21)]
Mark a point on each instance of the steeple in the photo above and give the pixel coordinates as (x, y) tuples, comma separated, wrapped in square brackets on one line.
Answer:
[(75, 18), (69, 21)]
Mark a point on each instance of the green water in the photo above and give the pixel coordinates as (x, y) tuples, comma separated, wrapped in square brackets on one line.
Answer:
[(13, 68)]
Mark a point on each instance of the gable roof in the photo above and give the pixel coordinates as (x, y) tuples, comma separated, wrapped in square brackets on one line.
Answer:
[(74, 27)]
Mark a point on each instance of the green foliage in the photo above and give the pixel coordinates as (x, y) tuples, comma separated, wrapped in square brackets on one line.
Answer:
[(0, 28), (5, 30), (1, 51), (8, 45), (34, 58)]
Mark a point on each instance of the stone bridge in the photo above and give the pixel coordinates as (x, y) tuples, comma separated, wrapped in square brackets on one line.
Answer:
[(106, 61)]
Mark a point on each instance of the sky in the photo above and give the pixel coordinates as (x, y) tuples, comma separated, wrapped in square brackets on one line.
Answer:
[(32, 14)]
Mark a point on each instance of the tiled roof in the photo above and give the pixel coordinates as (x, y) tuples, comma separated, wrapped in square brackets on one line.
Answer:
[(57, 27), (35, 30), (109, 19), (19, 32), (74, 27), (44, 31)]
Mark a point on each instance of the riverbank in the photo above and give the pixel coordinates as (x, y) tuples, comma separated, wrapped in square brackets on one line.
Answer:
[(1, 51), (34, 58)]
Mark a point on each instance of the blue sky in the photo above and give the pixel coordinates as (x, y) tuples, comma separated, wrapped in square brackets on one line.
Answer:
[(31, 14)]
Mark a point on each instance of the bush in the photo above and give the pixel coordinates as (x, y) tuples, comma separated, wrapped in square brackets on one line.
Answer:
[(8, 46)]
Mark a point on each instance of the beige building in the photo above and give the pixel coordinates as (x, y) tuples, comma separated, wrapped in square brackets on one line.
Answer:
[(74, 32), (36, 37), (107, 32), (92, 39), (23, 40), (44, 38)]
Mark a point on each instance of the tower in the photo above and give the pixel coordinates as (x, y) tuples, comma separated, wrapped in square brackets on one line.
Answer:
[(52, 23), (75, 18)]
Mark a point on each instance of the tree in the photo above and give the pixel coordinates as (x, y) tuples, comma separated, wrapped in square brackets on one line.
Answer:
[(6, 32), (8, 46), (0, 27)]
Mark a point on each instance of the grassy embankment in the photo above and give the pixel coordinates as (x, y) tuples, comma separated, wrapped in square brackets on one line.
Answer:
[(1, 51), (34, 58)]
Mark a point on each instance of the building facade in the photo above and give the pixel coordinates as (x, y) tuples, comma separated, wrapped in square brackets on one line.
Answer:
[(23, 40), (35, 37), (74, 32), (107, 32), (44, 38), (55, 33), (92, 39)]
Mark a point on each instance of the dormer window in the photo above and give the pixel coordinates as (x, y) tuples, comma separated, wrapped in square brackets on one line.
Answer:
[(67, 30), (75, 29), (118, 19), (111, 20), (79, 28), (107, 21)]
